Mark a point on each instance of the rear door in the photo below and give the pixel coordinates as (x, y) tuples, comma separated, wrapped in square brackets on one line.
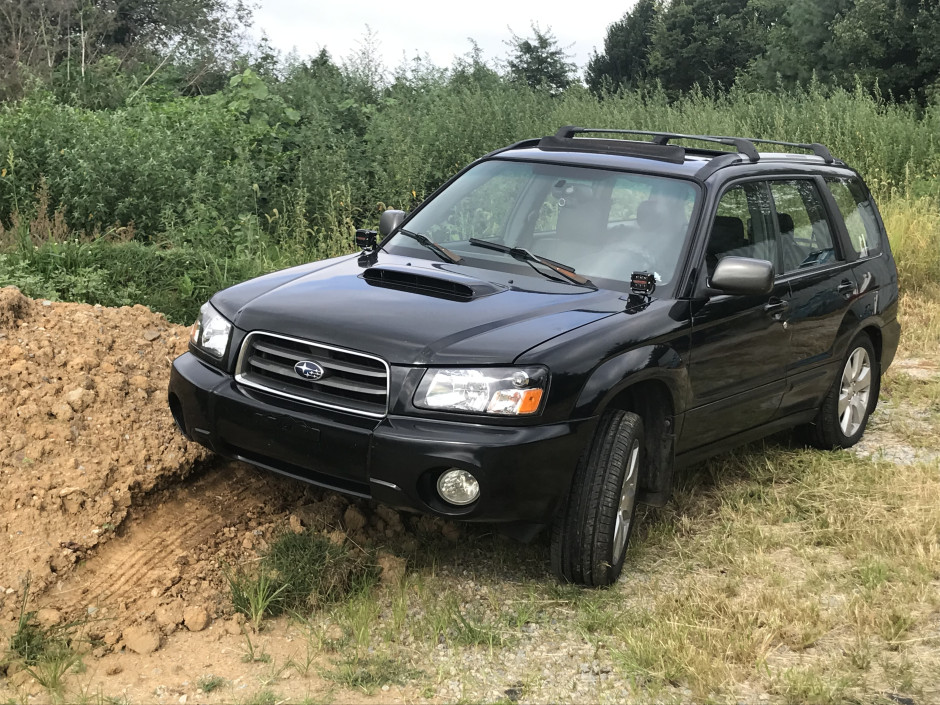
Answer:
[(822, 287)]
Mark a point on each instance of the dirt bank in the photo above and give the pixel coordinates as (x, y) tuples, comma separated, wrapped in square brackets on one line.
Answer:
[(84, 428)]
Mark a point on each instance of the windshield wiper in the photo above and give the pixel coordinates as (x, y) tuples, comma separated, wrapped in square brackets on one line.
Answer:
[(441, 252), (529, 258)]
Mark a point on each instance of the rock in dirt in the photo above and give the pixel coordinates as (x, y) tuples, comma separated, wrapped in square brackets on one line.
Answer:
[(142, 639), (234, 625), (169, 615), (393, 568), (354, 519), (13, 306), (49, 617), (195, 618)]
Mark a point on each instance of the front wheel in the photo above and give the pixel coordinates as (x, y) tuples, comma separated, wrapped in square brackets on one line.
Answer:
[(592, 529), (844, 413)]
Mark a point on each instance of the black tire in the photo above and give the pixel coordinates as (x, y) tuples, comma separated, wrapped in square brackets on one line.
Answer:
[(585, 549), (834, 429)]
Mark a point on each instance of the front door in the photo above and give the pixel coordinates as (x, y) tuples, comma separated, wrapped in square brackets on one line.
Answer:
[(740, 346)]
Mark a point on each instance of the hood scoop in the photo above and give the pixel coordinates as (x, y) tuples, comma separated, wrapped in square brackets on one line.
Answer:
[(439, 282)]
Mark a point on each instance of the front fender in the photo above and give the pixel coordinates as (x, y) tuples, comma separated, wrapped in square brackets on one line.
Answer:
[(661, 363)]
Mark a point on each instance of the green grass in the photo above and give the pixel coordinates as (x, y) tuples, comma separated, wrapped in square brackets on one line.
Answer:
[(302, 572), (255, 594), (315, 571), (208, 682), (368, 673)]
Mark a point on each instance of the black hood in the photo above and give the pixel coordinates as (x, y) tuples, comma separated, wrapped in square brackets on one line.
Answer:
[(411, 311)]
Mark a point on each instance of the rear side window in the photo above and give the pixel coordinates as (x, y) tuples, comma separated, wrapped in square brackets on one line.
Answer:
[(859, 214)]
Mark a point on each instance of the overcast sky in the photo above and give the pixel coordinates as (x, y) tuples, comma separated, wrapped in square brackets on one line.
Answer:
[(441, 30)]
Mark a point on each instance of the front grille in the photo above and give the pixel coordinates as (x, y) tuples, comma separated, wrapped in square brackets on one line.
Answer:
[(351, 381)]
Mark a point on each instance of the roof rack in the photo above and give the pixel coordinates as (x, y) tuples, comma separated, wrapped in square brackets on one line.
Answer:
[(743, 145)]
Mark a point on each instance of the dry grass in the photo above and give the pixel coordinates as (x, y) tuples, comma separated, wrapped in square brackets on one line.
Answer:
[(913, 226)]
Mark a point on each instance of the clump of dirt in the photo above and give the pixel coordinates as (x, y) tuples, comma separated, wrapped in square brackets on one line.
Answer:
[(85, 428)]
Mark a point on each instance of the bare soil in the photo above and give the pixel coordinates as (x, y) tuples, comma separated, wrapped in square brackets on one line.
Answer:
[(85, 432)]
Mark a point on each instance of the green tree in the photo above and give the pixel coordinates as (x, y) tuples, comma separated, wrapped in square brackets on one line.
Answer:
[(800, 45), (882, 40), (709, 41), (40, 38), (539, 62), (625, 59)]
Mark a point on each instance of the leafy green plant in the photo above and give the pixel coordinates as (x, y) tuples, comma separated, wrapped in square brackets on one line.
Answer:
[(255, 594)]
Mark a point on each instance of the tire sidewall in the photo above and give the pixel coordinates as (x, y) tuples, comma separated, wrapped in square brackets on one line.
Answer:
[(863, 342), (616, 566), (611, 475)]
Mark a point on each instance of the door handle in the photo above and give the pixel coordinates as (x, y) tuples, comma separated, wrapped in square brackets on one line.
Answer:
[(776, 308), (846, 288)]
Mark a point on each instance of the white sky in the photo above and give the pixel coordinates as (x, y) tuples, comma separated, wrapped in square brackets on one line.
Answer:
[(438, 29)]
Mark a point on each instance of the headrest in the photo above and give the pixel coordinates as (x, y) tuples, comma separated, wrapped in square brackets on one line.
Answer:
[(786, 222), (660, 214), (727, 234), (569, 194)]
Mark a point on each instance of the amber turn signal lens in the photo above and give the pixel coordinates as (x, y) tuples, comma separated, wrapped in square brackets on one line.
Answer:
[(530, 401)]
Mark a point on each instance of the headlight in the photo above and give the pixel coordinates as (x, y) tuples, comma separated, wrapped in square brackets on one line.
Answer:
[(505, 391), (210, 332)]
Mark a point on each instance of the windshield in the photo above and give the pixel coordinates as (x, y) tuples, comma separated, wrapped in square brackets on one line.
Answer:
[(604, 225)]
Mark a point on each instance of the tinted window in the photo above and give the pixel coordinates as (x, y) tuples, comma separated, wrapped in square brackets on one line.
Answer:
[(805, 239), (740, 227), (859, 214)]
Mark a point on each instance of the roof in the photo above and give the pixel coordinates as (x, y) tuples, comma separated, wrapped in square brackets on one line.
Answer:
[(657, 156)]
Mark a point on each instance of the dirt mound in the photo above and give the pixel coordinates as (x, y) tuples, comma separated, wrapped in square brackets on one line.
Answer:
[(89, 455), (85, 428)]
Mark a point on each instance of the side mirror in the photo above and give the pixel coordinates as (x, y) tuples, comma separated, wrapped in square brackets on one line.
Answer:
[(389, 221), (743, 275)]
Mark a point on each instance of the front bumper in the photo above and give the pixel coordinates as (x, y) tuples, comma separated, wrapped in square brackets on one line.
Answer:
[(524, 471)]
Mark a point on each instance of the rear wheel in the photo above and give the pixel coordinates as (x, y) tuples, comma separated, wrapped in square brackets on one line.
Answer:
[(592, 530), (844, 413)]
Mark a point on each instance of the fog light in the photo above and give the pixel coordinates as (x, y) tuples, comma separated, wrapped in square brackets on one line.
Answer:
[(458, 486)]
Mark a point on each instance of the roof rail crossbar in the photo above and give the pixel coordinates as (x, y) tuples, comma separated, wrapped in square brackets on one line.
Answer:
[(744, 145), (820, 150)]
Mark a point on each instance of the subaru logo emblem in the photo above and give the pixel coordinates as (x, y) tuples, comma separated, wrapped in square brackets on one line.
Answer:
[(308, 370)]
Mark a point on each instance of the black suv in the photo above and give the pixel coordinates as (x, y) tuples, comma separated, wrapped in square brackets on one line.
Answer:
[(555, 330)]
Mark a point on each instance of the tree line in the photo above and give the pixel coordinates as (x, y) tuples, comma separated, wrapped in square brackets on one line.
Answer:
[(887, 45), (97, 53)]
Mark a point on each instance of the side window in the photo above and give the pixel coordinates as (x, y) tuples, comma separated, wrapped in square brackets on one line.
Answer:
[(805, 239), (859, 214), (740, 227)]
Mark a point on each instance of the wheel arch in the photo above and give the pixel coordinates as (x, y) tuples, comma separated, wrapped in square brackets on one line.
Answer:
[(647, 381), (877, 342), (652, 400)]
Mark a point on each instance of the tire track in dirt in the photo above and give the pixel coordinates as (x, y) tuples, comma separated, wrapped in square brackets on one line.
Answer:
[(179, 521)]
